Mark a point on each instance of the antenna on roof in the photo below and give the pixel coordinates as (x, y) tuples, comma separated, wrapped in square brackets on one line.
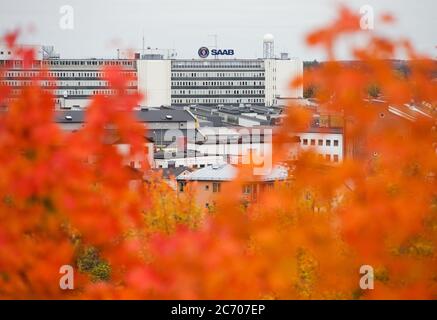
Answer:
[(144, 43)]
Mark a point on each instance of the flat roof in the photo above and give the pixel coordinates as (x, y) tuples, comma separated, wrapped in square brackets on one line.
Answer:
[(150, 115)]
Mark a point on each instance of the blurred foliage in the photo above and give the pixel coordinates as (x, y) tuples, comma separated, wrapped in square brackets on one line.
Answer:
[(69, 198)]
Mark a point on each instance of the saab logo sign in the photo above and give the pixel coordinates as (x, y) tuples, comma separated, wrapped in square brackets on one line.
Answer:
[(204, 52)]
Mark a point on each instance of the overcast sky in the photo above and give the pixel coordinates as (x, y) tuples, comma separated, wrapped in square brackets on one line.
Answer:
[(101, 26)]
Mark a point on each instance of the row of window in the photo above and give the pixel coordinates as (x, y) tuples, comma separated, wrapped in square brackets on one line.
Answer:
[(18, 64), (217, 187), (56, 84), (88, 92), (216, 92), (320, 142), (89, 62), (228, 74), (329, 157), (217, 100), (217, 83), (218, 64), (58, 74)]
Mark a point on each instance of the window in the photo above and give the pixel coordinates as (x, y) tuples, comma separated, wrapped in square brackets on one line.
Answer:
[(313, 142), (207, 187), (335, 157), (182, 185), (328, 157), (335, 143), (247, 189), (216, 187), (305, 142), (320, 142), (328, 143)]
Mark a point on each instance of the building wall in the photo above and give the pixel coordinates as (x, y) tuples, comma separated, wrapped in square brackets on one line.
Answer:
[(71, 81), (286, 72), (230, 149), (279, 74), (154, 82), (137, 161), (245, 122), (205, 192), (270, 83), (163, 81), (191, 162), (218, 81), (331, 152)]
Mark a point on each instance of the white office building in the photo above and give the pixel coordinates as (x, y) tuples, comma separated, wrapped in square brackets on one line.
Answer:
[(208, 80)]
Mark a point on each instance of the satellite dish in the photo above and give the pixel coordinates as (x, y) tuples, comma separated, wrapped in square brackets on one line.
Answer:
[(269, 38)]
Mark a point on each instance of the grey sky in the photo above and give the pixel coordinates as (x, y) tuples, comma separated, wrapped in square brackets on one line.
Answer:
[(101, 26)]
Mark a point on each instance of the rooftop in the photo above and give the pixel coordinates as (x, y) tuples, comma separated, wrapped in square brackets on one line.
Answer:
[(144, 115), (227, 172)]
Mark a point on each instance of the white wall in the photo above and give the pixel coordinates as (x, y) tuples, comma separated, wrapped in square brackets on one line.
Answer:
[(70, 103), (137, 160), (270, 86), (190, 161), (154, 81), (286, 72), (248, 122), (324, 149), (278, 77)]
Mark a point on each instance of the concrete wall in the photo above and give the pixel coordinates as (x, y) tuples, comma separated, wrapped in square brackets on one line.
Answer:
[(323, 149), (154, 81), (286, 72), (191, 162), (278, 76), (270, 85)]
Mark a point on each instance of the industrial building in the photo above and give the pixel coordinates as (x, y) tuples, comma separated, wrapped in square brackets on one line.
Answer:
[(209, 80)]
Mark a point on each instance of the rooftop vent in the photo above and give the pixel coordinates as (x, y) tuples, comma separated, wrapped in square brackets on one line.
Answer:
[(68, 118), (169, 117)]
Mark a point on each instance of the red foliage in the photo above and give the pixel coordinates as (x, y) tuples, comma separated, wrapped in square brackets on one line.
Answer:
[(306, 239)]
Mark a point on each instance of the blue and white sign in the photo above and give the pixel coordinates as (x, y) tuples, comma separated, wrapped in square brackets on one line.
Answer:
[(204, 52)]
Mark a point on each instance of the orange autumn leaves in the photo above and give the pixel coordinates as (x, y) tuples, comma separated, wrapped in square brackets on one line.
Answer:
[(304, 239)]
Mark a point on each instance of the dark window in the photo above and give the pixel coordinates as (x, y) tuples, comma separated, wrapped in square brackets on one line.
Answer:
[(335, 143), (182, 185), (216, 187), (247, 189), (313, 142), (320, 142), (305, 142), (328, 143)]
